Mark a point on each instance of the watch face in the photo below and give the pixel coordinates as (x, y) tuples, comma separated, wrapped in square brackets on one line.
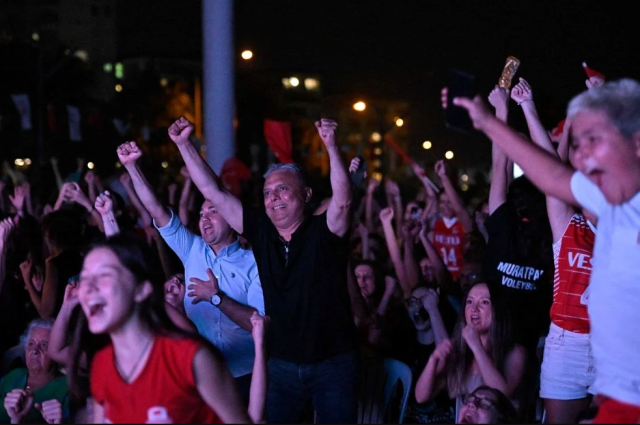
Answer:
[(215, 300)]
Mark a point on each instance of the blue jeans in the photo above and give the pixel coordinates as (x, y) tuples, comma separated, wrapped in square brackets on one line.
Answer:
[(330, 385)]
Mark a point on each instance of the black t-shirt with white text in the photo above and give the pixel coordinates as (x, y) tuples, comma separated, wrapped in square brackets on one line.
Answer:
[(525, 283)]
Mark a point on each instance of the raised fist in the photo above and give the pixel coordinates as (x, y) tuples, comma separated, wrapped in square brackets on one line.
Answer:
[(180, 131), (104, 203), (521, 92), (327, 130), (441, 168), (386, 215), (129, 153), (499, 97)]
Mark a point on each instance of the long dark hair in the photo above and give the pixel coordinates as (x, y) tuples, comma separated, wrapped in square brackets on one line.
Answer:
[(135, 256), (500, 333)]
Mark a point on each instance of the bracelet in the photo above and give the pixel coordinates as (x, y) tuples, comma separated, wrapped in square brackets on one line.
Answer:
[(526, 100)]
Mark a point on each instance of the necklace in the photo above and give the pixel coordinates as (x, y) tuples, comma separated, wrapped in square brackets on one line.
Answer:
[(127, 376)]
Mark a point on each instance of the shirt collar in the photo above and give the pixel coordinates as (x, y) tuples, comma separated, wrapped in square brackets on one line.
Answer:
[(229, 249)]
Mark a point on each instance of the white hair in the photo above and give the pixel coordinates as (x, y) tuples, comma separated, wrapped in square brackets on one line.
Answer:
[(620, 100), (35, 324)]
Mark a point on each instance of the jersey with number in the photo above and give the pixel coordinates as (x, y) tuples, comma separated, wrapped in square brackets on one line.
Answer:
[(572, 255), (449, 239), (164, 392)]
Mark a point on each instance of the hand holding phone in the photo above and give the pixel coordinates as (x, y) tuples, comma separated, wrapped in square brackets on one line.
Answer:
[(459, 84)]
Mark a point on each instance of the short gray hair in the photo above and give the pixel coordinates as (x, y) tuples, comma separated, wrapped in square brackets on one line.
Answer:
[(35, 324), (620, 100), (292, 167)]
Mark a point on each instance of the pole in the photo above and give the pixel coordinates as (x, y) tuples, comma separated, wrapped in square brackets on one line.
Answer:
[(218, 81)]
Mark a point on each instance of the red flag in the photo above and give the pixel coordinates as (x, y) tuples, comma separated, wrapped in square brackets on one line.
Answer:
[(233, 172), (278, 137), (402, 153)]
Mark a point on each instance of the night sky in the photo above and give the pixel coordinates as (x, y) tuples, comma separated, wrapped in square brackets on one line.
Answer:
[(402, 50)]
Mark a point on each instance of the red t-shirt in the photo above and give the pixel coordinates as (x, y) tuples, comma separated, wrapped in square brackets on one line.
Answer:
[(164, 392), (450, 243), (571, 278)]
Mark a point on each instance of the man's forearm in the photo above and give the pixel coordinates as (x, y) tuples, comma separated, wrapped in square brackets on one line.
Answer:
[(205, 179), (238, 313), (145, 193), (211, 187), (340, 182)]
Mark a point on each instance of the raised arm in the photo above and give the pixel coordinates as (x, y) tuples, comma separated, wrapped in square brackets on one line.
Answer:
[(544, 170), (558, 211), (456, 200), (6, 227), (395, 200), (129, 153), (77, 195), (368, 209), (410, 230), (58, 350), (432, 380), (430, 303), (90, 179), (386, 216), (259, 381), (183, 207), (340, 204), (127, 183), (104, 205), (203, 176), (502, 167), (439, 269), (431, 204)]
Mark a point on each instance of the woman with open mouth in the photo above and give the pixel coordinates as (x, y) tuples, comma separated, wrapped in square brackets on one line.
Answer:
[(482, 352), (151, 371)]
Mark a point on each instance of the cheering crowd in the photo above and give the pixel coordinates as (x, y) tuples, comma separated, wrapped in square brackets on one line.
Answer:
[(119, 304)]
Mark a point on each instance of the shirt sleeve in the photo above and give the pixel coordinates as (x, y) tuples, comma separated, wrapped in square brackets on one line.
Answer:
[(178, 237), (255, 298), (587, 193)]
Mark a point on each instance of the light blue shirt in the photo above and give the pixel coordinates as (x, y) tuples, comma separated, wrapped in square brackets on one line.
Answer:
[(237, 274)]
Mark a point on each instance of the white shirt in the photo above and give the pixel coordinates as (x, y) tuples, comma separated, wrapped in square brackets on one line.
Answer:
[(237, 274), (614, 299)]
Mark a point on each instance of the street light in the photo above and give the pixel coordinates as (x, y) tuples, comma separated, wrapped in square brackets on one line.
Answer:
[(359, 106), (376, 137), (294, 82), (118, 88), (427, 145), (246, 55), (448, 155), (90, 165), (399, 122)]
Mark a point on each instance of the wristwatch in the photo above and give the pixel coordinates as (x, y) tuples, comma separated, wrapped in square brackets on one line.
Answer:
[(216, 299)]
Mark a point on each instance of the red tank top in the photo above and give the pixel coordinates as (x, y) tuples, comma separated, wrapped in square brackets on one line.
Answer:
[(571, 278), (164, 392), (450, 243)]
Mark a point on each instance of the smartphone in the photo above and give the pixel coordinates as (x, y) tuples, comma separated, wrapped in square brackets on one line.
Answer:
[(459, 84), (358, 177)]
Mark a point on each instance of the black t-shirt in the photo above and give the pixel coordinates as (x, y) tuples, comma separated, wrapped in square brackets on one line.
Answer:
[(525, 282), (306, 297)]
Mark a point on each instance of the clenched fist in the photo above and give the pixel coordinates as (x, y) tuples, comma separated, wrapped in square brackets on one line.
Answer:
[(180, 131)]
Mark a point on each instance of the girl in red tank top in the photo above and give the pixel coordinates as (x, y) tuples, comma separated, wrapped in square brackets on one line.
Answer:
[(150, 372)]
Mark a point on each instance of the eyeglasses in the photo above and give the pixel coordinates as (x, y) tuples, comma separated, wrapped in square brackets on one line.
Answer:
[(469, 275), (482, 403)]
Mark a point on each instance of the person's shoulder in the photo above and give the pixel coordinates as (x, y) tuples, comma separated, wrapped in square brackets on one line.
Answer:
[(15, 374)]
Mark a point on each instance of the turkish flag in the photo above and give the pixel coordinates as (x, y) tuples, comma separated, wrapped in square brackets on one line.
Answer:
[(278, 137), (233, 172)]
